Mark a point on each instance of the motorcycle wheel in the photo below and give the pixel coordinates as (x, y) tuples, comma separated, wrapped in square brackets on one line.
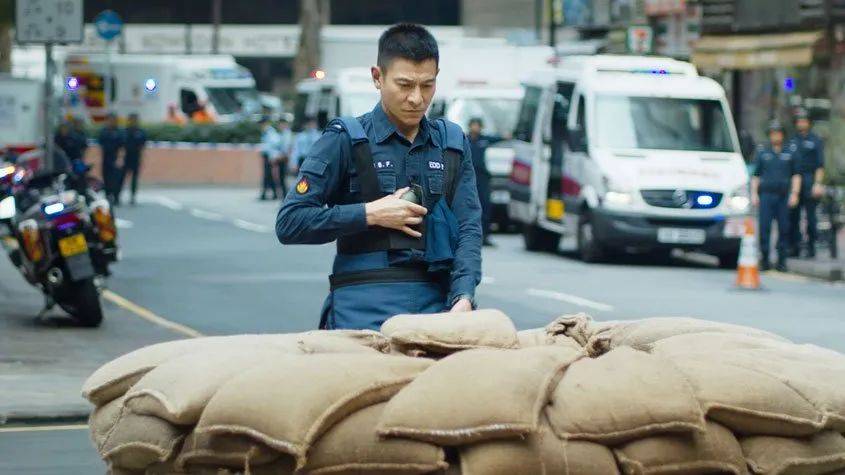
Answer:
[(82, 301)]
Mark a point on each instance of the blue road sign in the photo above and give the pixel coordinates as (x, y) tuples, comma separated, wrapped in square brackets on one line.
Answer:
[(109, 24)]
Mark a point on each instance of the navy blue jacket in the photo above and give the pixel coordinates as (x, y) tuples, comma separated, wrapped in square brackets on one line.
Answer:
[(111, 141), (325, 204), (135, 140), (775, 170), (810, 155)]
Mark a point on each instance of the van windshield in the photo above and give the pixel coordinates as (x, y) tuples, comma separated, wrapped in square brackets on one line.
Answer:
[(234, 100), (662, 123), (358, 104), (499, 115)]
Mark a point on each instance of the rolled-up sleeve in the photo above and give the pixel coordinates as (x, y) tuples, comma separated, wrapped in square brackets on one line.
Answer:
[(308, 215), (466, 268)]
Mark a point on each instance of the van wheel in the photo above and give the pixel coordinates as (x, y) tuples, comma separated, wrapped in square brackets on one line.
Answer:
[(538, 239), (589, 249)]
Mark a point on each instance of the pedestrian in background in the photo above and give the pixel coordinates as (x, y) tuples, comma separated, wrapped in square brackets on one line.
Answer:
[(66, 140), (78, 131), (810, 164), (478, 143), (304, 141), (136, 140), (111, 140), (284, 153), (269, 149), (775, 187)]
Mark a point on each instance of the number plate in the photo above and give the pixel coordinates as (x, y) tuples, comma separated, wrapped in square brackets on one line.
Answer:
[(73, 245), (681, 236)]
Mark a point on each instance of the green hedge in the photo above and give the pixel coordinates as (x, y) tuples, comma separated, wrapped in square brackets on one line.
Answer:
[(242, 132)]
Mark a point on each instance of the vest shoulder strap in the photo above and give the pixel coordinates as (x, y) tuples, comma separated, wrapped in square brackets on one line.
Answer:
[(452, 139), (352, 126)]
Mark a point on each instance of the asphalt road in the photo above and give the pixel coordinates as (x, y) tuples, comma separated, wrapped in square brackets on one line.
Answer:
[(207, 259)]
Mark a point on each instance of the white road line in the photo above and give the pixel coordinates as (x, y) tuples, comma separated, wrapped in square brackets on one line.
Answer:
[(259, 228), (488, 280), (203, 214), (163, 201), (123, 223), (573, 299), (44, 428)]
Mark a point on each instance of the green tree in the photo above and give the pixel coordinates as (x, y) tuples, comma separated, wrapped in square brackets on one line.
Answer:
[(312, 15), (7, 10)]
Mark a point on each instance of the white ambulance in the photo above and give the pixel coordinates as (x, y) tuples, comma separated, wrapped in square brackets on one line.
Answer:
[(628, 153)]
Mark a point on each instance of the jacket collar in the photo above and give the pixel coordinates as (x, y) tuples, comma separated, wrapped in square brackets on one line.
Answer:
[(384, 128)]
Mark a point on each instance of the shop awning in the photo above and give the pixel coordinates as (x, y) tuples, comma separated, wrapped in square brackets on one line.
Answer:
[(755, 51)]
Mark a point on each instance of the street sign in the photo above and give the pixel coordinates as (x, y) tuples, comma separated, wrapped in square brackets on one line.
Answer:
[(48, 21), (108, 24), (640, 39)]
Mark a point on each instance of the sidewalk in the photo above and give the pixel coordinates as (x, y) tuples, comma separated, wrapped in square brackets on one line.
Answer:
[(43, 363), (823, 266)]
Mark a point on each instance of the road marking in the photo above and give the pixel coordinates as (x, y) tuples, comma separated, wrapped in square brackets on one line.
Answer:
[(203, 214), (573, 299), (488, 280), (123, 223), (44, 428), (164, 201), (259, 228), (149, 316), (786, 276)]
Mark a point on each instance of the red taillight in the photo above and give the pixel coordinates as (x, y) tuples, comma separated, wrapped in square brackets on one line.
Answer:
[(520, 173)]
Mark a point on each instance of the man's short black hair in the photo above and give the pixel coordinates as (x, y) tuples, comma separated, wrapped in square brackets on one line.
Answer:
[(476, 120), (406, 41)]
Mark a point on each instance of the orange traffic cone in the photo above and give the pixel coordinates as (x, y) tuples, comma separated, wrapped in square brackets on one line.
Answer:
[(747, 270)]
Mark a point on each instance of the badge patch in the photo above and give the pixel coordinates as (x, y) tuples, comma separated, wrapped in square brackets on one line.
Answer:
[(302, 186), (436, 166), (381, 164)]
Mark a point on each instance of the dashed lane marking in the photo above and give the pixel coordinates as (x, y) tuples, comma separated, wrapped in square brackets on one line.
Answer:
[(209, 215), (573, 299), (123, 223), (163, 201), (258, 228), (149, 315), (43, 428)]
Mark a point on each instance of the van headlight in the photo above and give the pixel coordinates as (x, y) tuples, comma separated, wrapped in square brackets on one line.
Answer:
[(618, 198), (739, 201)]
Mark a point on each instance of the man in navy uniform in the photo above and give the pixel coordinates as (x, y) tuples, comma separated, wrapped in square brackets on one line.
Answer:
[(136, 140), (775, 186), (111, 140), (810, 163), (397, 191), (479, 143)]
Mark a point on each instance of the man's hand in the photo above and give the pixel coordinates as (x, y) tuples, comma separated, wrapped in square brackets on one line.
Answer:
[(392, 212), (793, 200), (755, 200), (462, 305), (818, 190)]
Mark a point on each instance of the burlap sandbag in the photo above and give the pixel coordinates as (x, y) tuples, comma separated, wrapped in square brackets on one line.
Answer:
[(822, 453), (353, 447), (623, 395), (288, 403), (567, 330), (539, 453), (476, 395), (179, 389), (642, 333), (716, 450), (136, 441), (201, 451), (102, 420), (114, 378), (444, 333)]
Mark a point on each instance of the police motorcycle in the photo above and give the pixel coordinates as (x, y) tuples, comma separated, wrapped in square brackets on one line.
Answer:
[(64, 237)]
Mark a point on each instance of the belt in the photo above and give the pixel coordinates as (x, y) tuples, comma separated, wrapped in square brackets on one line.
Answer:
[(381, 276)]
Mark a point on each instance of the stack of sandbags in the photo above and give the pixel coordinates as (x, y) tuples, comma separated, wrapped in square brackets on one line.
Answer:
[(467, 393)]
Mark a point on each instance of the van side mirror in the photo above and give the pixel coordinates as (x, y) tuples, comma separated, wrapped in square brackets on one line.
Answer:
[(577, 139)]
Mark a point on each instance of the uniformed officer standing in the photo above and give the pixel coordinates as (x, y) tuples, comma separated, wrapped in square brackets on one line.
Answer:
[(136, 140), (269, 150), (283, 154), (69, 142), (774, 189), (360, 181), (810, 163), (478, 145), (111, 140), (305, 140)]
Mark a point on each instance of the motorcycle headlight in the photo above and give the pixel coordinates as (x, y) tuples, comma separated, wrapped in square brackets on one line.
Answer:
[(7, 207), (739, 200)]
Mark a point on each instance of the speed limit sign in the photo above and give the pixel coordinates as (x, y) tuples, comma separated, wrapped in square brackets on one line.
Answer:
[(48, 21)]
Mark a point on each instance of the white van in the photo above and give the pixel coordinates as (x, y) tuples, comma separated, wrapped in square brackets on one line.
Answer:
[(329, 94), (159, 86), (628, 154)]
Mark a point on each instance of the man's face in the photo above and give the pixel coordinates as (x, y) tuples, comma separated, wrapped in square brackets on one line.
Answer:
[(803, 125), (406, 89), (776, 137), (475, 128), (111, 121), (283, 125), (133, 121)]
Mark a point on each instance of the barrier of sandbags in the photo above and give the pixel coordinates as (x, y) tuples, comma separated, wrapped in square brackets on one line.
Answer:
[(468, 394)]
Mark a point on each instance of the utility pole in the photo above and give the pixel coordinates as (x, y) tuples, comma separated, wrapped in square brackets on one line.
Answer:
[(552, 23), (6, 21), (216, 14), (312, 14)]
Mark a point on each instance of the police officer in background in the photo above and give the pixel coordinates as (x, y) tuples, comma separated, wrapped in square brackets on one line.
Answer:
[(397, 191), (269, 150), (111, 140), (775, 187), (810, 164), (305, 140), (136, 140), (69, 142), (478, 145), (283, 154)]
